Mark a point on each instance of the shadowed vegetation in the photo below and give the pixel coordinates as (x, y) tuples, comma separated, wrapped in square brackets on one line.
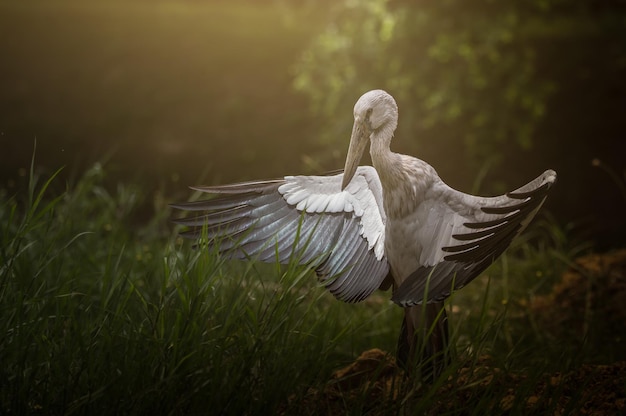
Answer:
[(103, 309), (100, 315)]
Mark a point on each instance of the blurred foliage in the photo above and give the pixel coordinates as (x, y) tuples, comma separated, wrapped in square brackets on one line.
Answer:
[(467, 68)]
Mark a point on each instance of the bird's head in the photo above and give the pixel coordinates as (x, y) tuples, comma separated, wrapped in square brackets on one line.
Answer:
[(375, 116)]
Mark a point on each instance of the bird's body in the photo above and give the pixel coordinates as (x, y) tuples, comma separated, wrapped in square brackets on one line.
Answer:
[(405, 208), (356, 227)]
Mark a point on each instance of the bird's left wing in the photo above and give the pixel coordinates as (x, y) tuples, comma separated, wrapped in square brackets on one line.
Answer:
[(461, 235), (307, 219)]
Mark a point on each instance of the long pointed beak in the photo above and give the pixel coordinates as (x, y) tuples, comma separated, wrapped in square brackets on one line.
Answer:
[(358, 143)]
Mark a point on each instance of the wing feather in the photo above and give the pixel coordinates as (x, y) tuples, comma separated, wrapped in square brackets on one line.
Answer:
[(463, 234), (366, 268), (307, 219)]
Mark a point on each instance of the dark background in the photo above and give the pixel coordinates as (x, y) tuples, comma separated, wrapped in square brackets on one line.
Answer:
[(173, 93)]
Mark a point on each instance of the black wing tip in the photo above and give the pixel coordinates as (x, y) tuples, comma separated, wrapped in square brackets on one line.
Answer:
[(407, 302), (180, 205), (550, 176), (241, 187), (538, 186), (200, 205), (193, 234), (179, 221)]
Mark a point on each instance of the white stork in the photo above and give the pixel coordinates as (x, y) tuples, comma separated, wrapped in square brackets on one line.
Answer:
[(355, 228)]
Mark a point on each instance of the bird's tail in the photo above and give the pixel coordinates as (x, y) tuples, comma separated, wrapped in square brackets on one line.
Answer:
[(423, 343)]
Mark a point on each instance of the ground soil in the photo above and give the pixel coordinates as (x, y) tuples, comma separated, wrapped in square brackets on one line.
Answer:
[(590, 299)]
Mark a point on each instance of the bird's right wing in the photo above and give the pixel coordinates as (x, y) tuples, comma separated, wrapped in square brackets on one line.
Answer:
[(461, 235), (307, 219)]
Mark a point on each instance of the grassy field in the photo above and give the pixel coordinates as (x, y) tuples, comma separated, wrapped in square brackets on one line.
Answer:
[(105, 310), (103, 313)]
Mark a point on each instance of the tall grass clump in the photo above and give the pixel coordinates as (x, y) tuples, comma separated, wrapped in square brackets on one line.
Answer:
[(103, 313)]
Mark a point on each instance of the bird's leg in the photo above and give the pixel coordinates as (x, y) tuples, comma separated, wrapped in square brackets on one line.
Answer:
[(423, 343)]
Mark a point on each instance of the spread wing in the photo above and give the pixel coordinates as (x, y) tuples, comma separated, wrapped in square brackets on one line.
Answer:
[(307, 219), (463, 234)]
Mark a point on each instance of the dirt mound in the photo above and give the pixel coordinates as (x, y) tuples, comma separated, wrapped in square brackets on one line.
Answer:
[(589, 301), (374, 384)]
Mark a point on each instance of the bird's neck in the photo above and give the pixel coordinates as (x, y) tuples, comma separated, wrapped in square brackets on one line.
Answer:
[(380, 142), (386, 162), (404, 179)]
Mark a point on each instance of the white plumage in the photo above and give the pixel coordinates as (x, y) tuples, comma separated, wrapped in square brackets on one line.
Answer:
[(356, 227)]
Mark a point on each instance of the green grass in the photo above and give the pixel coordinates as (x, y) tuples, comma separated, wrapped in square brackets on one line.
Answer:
[(102, 313)]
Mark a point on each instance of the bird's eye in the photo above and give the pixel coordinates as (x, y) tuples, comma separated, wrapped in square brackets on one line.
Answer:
[(369, 112)]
